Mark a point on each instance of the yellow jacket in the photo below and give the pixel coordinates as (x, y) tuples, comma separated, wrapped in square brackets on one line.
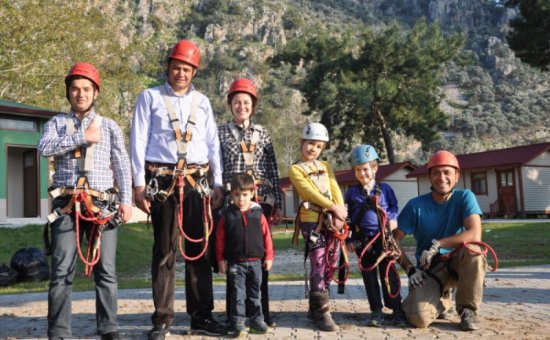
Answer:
[(309, 192)]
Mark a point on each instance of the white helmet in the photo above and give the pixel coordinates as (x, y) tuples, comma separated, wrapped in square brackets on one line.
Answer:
[(315, 131)]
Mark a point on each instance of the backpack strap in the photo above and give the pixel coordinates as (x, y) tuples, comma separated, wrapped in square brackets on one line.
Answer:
[(318, 176)]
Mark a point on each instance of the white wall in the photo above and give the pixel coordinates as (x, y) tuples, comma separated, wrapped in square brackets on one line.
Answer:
[(536, 188)]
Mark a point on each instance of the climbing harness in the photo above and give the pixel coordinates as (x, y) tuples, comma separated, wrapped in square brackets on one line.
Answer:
[(320, 179), (390, 249), (81, 203), (247, 150), (194, 174)]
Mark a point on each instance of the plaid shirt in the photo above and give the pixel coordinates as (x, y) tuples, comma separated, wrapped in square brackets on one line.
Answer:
[(265, 164), (109, 151)]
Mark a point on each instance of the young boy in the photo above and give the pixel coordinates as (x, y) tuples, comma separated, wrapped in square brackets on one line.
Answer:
[(321, 199), (365, 225), (242, 241)]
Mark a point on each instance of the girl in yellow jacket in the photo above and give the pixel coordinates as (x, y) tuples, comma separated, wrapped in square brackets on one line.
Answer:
[(321, 201)]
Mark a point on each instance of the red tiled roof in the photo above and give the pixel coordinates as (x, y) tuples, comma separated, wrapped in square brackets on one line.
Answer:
[(494, 158), (348, 176)]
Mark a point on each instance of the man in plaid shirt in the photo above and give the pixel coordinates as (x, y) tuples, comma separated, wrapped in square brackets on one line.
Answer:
[(63, 135)]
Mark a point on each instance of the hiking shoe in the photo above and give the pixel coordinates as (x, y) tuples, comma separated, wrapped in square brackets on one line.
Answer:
[(207, 326), (237, 330), (159, 332), (468, 320), (376, 319), (110, 336), (258, 328)]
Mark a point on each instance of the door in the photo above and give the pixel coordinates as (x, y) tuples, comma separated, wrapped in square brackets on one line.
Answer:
[(506, 193), (30, 183)]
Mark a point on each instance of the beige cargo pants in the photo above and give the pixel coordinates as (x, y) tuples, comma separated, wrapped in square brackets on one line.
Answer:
[(466, 274)]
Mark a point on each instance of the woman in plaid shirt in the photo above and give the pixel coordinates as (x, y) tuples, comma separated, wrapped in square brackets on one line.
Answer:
[(247, 147)]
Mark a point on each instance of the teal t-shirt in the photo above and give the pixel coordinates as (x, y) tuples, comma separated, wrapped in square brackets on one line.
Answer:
[(427, 220)]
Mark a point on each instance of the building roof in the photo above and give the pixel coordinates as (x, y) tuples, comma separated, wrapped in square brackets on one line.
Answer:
[(515, 156), (348, 176), (10, 107)]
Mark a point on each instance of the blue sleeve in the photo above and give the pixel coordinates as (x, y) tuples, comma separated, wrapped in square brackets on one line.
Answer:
[(471, 206), (391, 200), (406, 219)]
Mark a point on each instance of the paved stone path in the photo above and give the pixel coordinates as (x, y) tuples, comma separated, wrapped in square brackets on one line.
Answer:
[(516, 306)]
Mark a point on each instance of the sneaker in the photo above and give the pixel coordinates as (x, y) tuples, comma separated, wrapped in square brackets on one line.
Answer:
[(468, 320), (237, 330), (207, 326), (259, 328), (110, 336), (159, 332), (376, 319)]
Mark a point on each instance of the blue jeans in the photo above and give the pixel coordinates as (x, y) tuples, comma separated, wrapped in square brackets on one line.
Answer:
[(245, 279), (64, 257)]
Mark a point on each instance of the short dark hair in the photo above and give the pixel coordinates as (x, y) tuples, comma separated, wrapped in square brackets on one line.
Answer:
[(242, 182)]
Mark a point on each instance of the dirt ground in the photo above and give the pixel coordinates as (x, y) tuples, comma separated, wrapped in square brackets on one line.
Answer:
[(516, 306)]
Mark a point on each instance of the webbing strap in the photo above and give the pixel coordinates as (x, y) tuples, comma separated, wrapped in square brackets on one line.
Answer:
[(90, 150), (318, 176), (181, 140), (247, 149), (86, 163)]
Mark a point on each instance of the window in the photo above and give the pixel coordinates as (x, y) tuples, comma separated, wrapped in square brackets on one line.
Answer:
[(479, 183), (18, 123)]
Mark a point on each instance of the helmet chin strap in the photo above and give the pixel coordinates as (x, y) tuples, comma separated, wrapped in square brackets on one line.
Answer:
[(445, 196)]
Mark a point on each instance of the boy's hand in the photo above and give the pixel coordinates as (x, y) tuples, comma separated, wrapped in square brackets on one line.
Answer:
[(222, 267), (267, 265)]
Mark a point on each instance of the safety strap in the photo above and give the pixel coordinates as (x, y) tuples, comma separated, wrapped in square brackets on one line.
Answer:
[(247, 149), (318, 176), (86, 163), (181, 140)]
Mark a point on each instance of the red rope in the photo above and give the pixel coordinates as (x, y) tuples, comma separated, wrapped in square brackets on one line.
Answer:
[(485, 248), (332, 247), (92, 257), (207, 220)]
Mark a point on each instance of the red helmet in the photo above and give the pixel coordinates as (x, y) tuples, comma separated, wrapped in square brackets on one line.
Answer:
[(186, 51), (443, 158), (85, 70), (243, 85)]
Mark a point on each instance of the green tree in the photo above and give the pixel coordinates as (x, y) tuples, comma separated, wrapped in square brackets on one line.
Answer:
[(530, 34), (382, 83), (40, 40)]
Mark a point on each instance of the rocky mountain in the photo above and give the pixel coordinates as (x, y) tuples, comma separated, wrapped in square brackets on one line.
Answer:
[(491, 98)]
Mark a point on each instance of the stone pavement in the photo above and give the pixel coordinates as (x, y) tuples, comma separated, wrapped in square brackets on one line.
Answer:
[(516, 306)]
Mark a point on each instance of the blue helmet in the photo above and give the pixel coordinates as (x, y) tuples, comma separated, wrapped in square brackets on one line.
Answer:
[(362, 154)]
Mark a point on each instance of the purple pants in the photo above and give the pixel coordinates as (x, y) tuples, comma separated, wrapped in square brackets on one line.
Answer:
[(321, 271)]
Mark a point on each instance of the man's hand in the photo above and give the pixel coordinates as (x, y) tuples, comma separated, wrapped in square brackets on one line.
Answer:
[(142, 202), (427, 255), (217, 198), (267, 265), (222, 267), (125, 212), (416, 277), (92, 133)]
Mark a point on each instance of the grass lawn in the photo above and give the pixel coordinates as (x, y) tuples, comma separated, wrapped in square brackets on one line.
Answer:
[(516, 244)]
